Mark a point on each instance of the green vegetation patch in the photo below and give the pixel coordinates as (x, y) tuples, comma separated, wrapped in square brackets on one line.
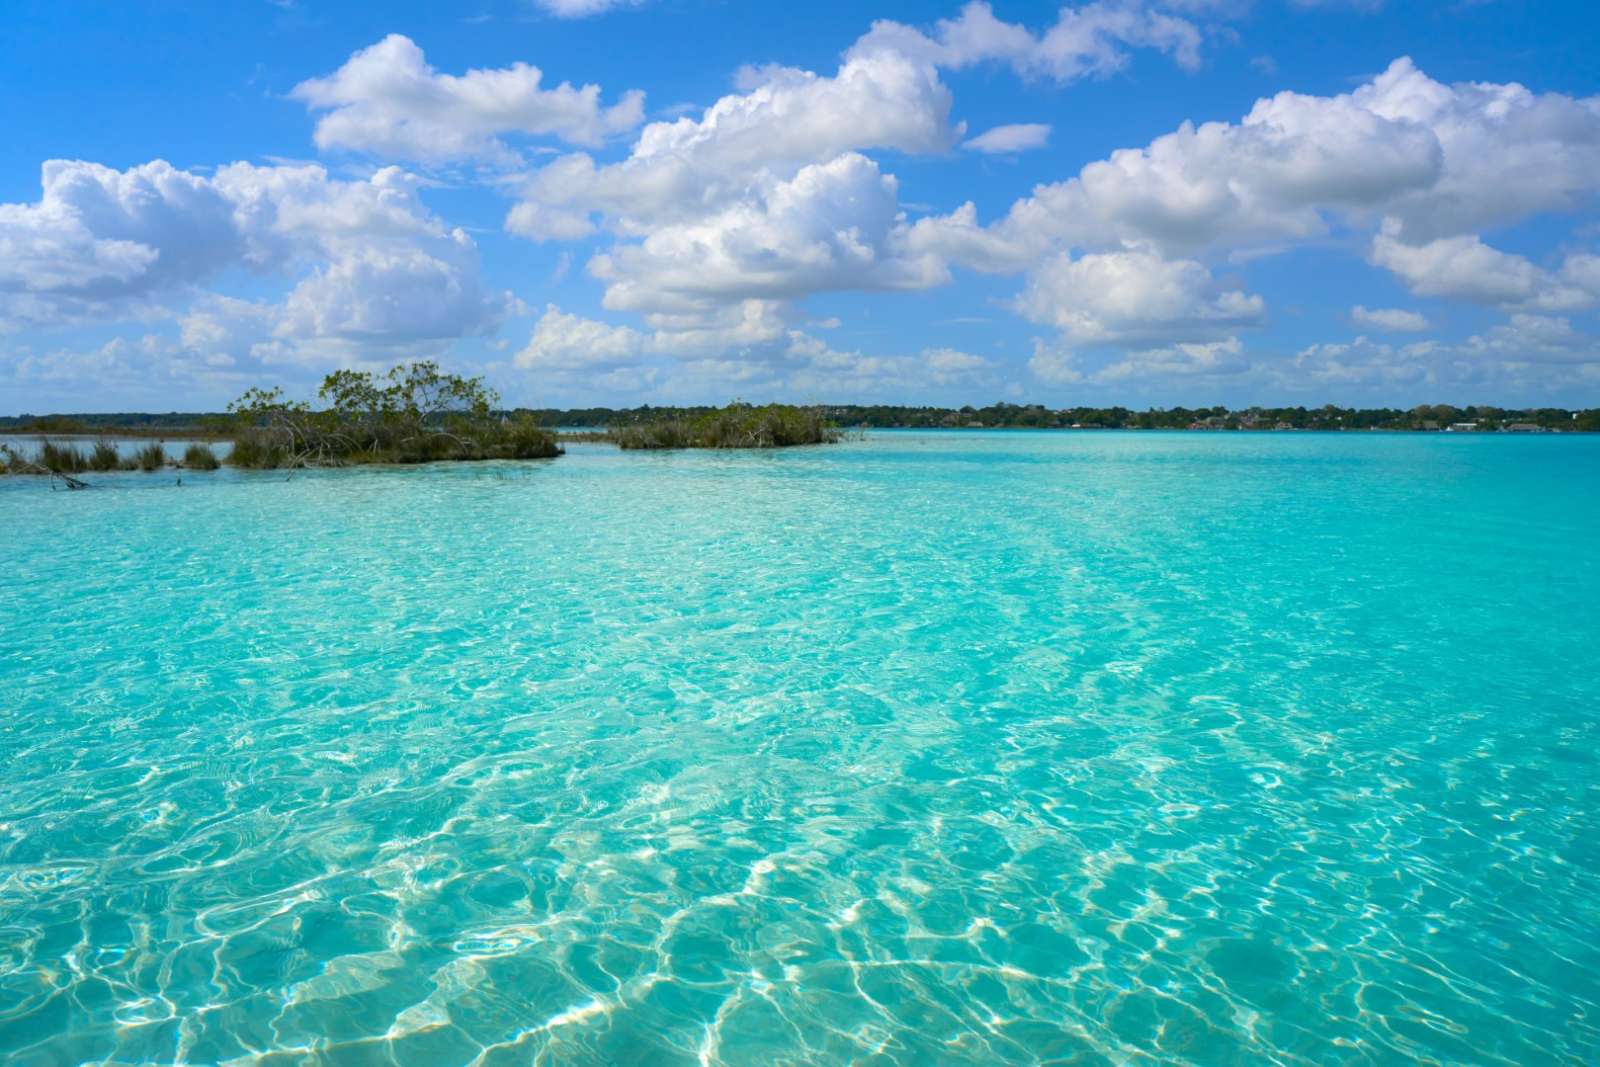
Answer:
[(738, 425), (414, 414), (200, 458)]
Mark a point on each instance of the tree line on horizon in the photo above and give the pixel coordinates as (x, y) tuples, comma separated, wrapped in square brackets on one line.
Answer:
[(1001, 415)]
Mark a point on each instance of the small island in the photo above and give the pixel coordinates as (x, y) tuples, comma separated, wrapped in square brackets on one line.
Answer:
[(415, 413), (739, 425)]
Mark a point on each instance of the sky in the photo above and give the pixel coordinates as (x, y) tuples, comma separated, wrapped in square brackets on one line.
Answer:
[(620, 202)]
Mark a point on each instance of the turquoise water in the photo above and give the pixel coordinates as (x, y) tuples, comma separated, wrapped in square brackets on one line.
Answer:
[(924, 749)]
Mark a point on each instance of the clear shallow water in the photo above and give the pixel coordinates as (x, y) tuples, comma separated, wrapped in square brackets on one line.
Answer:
[(953, 748)]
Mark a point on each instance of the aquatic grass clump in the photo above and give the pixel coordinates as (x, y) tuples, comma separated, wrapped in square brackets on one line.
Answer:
[(414, 414), (257, 449), (104, 457), (61, 459), (738, 425), (200, 458), (150, 458)]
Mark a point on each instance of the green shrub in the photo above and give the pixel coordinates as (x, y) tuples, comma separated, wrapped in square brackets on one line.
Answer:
[(523, 438), (200, 458)]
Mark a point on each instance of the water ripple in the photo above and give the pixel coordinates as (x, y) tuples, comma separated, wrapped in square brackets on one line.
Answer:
[(934, 748)]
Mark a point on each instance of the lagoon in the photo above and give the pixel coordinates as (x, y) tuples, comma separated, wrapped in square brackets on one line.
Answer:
[(923, 748)]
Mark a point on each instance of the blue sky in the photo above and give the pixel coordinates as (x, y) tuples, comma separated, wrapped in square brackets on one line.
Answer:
[(1191, 201)]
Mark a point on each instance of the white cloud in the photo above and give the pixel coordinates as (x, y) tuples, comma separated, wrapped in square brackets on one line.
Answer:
[(387, 101), (1440, 160), (1532, 338), (562, 341), (1183, 360), (580, 9), (394, 295), (1393, 320), (98, 238), (1464, 268), (1006, 140), (571, 354), (784, 120), (370, 263), (1361, 362), (1060, 364), (1527, 351), (834, 225), (1132, 297), (1087, 41)]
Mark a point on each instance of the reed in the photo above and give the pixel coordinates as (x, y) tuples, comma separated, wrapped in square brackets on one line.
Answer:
[(151, 457), (200, 458), (61, 459), (104, 457)]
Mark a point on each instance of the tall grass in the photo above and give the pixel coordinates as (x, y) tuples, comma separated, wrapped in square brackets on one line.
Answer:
[(258, 449), (61, 459), (735, 426), (150, 458), (104, 457), (200, 458)]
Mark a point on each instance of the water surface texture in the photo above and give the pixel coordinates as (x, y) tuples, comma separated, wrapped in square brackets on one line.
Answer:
[(925, 749)]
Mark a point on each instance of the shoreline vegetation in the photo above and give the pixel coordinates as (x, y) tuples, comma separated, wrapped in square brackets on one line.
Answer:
[(599, 424), (64, 459), (415, 413)]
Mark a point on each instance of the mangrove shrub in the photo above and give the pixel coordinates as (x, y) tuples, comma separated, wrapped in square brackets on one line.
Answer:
[(415, 413)]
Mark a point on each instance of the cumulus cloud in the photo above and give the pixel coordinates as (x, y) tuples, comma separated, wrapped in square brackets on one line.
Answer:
[(368, 261), (1087, 41), (785, 119), (1439, 160), (1527, 351), (1362, 362), (1007, 140), (571, 353), (1123, 297), (562, 341), (769, 195), (1533, 338), (834, 225), (815, 368), (1392, 320), (387, 101), (766, 196), (1460, 267), (1464, 268), (1214, 358), (1056, 364), (97, 238)]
